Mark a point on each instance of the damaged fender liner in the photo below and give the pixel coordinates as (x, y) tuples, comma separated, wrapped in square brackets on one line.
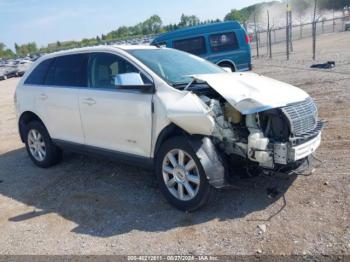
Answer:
[(210, 159)]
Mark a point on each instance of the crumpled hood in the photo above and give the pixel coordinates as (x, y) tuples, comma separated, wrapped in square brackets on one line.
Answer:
[(251, 93)]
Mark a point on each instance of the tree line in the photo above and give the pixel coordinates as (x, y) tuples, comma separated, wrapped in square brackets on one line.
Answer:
[(245, 14), (154, 25), (151, 26)]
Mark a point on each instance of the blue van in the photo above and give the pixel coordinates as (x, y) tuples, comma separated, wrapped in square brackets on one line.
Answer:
[(225, 44)]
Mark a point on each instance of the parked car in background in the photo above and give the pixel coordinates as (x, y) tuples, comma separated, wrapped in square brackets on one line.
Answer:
[(188, 119), (10, 70), (14, 68), (22, 66), (225, 44), (347, 25), (3, 75)]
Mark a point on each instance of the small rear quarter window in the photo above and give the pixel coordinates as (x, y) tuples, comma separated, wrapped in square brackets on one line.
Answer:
[(37, 76)]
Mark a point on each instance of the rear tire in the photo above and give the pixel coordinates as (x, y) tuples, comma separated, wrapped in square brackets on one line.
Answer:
[(40, 147), (180, 175), (229, 65)]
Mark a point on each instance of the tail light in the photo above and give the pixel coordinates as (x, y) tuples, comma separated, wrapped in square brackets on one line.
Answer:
[(247, 39)]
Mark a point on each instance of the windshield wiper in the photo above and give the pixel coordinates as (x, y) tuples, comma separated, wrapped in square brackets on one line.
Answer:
[(179, 85), (187, 85)]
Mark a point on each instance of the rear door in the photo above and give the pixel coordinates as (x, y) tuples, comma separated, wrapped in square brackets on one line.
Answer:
[(58, 97), (230, 46), (112, 118)]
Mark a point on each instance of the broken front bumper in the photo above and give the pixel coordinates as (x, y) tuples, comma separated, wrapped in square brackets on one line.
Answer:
[(285, 154)]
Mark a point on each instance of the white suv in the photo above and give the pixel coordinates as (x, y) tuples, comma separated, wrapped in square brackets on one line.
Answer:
[(191, 121)]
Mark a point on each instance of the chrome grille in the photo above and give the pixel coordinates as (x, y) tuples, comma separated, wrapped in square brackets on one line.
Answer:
[(302, 116)]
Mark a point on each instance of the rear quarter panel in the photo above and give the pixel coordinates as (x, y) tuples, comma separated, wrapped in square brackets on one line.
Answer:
[(241, 57)]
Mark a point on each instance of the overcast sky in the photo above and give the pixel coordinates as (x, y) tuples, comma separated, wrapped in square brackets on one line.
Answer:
[(46, 21)]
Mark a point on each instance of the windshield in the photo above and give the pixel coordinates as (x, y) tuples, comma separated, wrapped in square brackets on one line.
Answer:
[(174, 66)]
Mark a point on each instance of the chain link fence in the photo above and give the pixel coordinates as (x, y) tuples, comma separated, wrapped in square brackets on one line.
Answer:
[(260, 39)]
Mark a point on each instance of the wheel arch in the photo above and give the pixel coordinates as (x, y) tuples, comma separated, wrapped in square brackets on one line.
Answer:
[(212, 161), (223, 62), (169, 131), (25, 118)]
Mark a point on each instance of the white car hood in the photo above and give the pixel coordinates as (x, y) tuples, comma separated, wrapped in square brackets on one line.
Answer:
[(251, 93)]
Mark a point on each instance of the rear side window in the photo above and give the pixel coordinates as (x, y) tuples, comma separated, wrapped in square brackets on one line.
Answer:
[(69, 70), (37, 76), (223, 42), (194, 45)]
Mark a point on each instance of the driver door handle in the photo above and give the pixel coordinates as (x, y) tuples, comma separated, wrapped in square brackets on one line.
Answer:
[(89, 101)]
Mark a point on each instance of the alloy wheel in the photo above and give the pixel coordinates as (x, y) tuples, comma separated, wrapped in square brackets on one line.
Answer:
[(181, 175), (36, 145)]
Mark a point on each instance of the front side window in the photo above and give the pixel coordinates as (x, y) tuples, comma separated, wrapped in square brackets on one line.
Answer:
[(69, 70), (174, 66), (37, 76), (194, 45), (223, 42), (103, 67)]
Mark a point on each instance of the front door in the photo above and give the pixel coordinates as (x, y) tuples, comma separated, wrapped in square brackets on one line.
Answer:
[(112, 118)]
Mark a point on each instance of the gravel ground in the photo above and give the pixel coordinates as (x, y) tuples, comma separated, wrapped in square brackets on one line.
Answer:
[(88, 205)]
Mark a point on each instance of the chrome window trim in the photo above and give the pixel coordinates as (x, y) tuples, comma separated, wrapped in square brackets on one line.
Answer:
[(119, 90), (149, 77)]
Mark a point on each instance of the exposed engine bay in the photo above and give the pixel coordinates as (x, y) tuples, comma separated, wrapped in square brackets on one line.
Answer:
[(272, 139)]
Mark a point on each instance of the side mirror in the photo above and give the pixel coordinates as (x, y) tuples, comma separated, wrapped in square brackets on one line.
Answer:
[(131, 81), (128, 79), (227, 69)]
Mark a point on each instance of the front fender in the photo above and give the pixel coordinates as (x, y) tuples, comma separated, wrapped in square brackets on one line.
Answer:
[(210, 158)]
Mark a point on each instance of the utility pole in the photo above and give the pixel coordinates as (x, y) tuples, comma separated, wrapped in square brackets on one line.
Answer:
[(314, 33), (301, 29), (287, 32), (322, 26), (333, 21), (273, 30), (256, 38), (290, 28), (267, 41), (269, 34)]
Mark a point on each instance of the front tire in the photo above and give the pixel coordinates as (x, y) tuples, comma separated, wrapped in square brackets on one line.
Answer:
[(181, 176), (40, 147)]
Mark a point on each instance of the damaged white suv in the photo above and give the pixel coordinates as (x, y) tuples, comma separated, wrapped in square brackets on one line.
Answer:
[(191, 121)]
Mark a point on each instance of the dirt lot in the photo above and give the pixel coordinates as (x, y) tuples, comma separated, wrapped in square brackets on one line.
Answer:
[(90, 206)]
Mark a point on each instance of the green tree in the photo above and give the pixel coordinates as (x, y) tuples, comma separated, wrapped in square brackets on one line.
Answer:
[(5, 52), (17, 48), (188, 20), (152, 25), (234, 14)]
